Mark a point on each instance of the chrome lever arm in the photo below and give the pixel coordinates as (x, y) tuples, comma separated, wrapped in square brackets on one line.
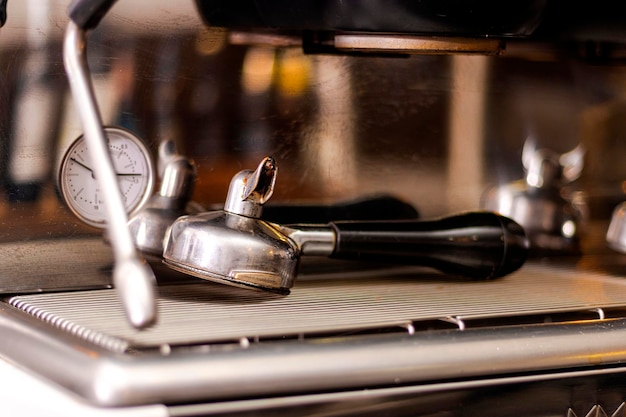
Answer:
[(133, 278)]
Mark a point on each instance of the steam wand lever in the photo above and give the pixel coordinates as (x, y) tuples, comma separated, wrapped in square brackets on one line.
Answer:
[(132, 276)]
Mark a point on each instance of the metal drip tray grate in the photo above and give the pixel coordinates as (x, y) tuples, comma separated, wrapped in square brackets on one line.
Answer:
[(207, 313)]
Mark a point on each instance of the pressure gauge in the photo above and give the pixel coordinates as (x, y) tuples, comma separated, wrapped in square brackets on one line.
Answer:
[(133, 168)]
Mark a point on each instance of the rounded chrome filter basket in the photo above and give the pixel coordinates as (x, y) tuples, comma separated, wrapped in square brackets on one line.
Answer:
[(232, 249)]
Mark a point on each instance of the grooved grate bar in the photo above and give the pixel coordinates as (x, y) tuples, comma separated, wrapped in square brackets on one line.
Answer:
[(205, 313)]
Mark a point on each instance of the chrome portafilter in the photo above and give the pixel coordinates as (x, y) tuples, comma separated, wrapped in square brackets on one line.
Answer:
[(234, 246), (173, 200), (616, 233), (552, 213)]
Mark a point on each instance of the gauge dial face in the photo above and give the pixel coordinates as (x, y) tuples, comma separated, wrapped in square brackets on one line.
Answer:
[(133, 168)]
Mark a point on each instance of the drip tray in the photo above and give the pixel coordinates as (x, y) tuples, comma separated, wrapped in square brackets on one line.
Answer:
[(335, 331), (205, 313)]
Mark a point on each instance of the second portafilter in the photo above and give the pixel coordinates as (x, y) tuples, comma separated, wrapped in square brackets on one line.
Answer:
[(234, 246), (552, 211)]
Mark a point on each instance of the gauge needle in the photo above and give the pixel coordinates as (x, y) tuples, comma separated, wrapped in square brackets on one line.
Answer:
[(84, 166), (132, 174)]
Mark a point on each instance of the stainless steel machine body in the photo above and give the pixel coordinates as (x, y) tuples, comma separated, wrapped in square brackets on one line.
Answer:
[(411, 99)]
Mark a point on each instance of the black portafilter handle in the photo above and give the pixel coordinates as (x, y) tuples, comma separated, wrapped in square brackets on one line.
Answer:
[(3, 12), (479, 245), (375, 207), (86, 14)]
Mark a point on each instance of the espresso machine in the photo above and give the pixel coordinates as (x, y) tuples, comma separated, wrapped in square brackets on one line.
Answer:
[(316, 208)]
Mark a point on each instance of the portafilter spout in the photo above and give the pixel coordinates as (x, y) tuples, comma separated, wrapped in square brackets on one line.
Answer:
[(235, 247)]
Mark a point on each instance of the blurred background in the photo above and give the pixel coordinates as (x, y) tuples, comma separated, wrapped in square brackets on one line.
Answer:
[(433, 130)]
